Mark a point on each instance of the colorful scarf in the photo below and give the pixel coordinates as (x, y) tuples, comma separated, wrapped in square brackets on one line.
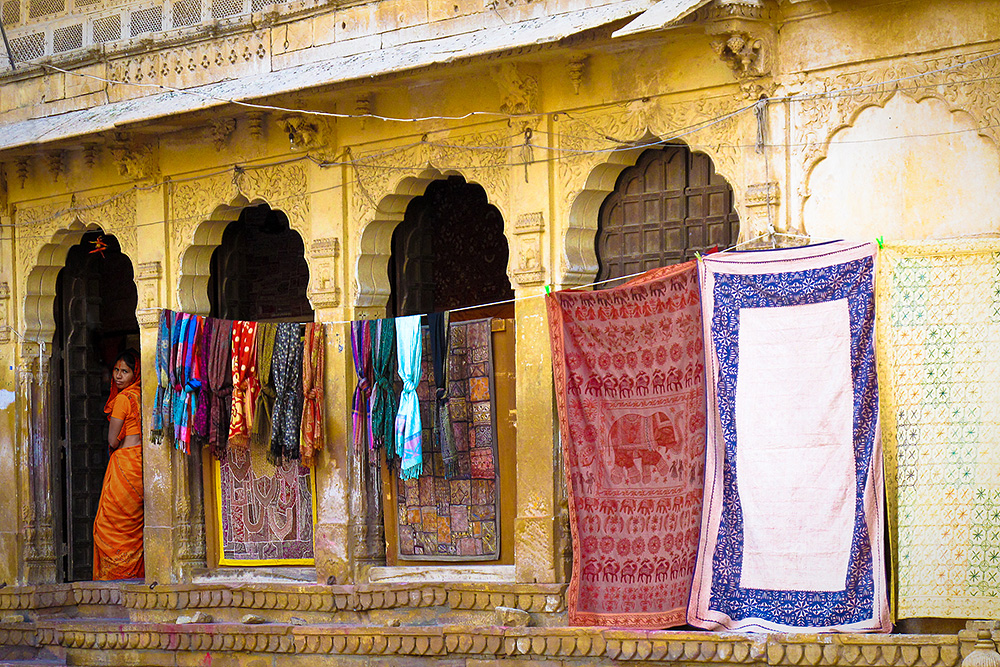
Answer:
[(161, 406), (245, 385), (260, 434), (383, 396), (220, 379), (200, 420), (286, 370), (408, 352), (189, 381), (792, 528), (361, 416), (443, 434), (312, 391)]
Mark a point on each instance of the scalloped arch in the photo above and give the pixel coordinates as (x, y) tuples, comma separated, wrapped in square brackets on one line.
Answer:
[(375, 243), (580, 265), (41, 280), (196, 259)]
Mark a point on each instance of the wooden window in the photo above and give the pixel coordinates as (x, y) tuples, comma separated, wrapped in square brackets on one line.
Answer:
[(670, 205)]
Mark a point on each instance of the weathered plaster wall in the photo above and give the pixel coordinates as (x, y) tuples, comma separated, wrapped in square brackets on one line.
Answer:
[(827, 169)]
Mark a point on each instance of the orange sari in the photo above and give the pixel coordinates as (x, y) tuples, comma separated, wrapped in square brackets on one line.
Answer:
[(118, 552)]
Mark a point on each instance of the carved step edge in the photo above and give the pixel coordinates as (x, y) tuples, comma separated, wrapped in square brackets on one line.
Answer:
[(494, 642)]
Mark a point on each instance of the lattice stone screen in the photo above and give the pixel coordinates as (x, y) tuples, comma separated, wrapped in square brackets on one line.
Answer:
[(38, 28)]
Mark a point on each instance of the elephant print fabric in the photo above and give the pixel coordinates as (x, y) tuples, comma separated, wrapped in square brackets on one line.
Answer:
[(629, 371)]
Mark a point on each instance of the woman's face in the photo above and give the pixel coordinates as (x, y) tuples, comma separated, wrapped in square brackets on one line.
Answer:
[(123, 375)]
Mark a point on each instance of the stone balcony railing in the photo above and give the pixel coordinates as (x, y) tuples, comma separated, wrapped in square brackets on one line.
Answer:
[(39, 28)]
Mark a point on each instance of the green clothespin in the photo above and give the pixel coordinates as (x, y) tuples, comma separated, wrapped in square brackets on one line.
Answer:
[(548, 289), (881, 243)]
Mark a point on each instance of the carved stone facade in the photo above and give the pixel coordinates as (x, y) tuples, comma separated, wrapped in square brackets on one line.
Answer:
[(545, 128)]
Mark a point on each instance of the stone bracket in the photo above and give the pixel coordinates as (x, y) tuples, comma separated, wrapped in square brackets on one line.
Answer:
[(324, 291), (528, 231)]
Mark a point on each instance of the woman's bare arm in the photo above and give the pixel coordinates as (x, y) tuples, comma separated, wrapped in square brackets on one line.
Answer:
[(114, 430)]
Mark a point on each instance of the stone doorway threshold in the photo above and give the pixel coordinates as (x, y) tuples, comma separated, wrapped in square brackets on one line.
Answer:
[(255, 575)]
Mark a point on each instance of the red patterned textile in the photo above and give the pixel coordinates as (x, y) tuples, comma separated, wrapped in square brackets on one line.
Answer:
[(630, 387)]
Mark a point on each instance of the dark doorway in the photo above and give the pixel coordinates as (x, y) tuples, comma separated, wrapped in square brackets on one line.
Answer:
[(663, 210), (95, 320), (259, 271), (449, 251)]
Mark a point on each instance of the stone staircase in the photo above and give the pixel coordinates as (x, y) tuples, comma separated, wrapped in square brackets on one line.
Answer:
[(412, 624)]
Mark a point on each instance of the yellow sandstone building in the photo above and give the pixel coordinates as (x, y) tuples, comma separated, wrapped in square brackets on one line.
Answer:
[(299, 161)]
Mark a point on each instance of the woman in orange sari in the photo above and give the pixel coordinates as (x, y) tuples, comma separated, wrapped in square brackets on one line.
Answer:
[(119, 522)]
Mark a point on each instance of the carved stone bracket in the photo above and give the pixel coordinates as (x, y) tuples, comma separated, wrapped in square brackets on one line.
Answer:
[(518, 91), (575, 69), (222, 129), (134, 159), (528, 230), (324, 292), (304, 132), (744, 39)]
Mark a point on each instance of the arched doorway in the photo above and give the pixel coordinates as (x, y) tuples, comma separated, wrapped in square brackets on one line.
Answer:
[(450, 254), (257, 513), (259, 271), (95, 320), (663, 210)]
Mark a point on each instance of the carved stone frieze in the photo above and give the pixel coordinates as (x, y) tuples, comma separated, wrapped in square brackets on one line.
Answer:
[(761, 202), (285, 187), (192, 202), (116, 215), (4, 312), (324, 290), (820, 110), (148, 278), (193, 64)]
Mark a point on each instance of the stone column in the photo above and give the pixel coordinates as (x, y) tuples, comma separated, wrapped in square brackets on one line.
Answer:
[(10, 471), (537, 527), (163, 468), (326, 276)]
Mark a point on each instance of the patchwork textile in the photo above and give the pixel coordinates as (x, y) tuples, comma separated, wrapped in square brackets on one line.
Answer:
[(630, 389), (939, 369), (266, 513), (791, 536), (457, 517)]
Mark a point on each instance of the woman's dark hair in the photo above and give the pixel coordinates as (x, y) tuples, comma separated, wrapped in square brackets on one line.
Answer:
[(130, 357)]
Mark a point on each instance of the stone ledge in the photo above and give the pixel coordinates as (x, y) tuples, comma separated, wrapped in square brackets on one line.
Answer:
[(497, 643), (538, 598)]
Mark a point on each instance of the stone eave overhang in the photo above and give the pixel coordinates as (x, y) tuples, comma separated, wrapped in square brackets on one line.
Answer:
[(335, 64)]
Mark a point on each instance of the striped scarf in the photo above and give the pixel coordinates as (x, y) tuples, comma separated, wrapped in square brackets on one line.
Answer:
[(189, 376), (312, 389), (361, 347), (220, 379), (383, 396), (200, 419), (161, 406)]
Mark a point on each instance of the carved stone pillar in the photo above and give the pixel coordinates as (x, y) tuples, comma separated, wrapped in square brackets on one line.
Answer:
[(36, 458)]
